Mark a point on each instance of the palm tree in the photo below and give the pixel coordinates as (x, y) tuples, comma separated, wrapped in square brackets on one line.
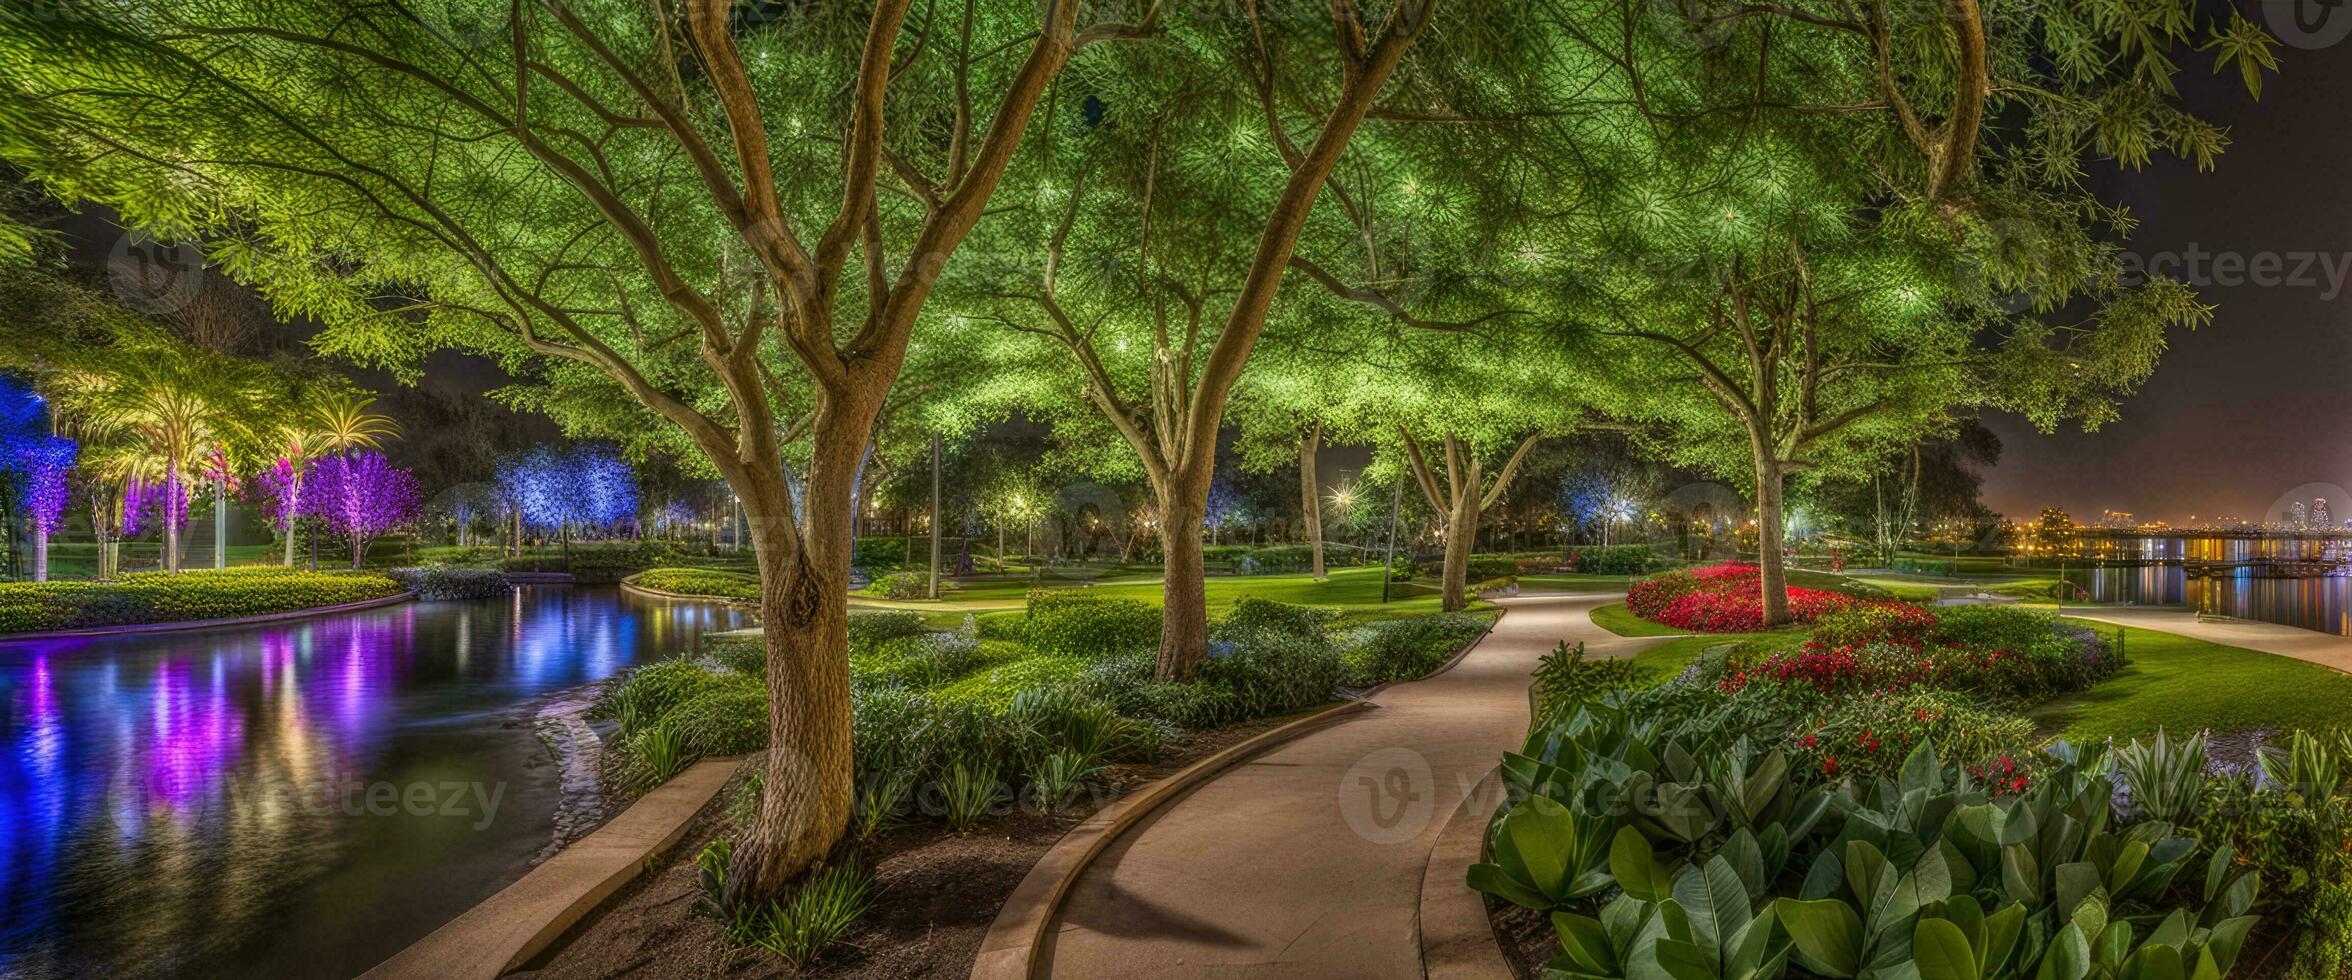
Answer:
[(343, 423), (336, 421), (178, 405)]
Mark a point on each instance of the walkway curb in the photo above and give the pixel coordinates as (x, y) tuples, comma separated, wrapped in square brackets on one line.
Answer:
[(206, 624), (509, 929), (1457, 938), (1009, 951)]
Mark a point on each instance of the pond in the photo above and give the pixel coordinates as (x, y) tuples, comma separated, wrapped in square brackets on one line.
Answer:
[(2153, 571), (298, 799)]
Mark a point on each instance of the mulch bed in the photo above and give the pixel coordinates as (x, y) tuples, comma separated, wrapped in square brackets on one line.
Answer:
[(1526, 936), (935, 894)]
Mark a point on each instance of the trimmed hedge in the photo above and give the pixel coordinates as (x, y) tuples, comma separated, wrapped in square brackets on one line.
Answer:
[(161, 597), (701, 582), (443, 582)]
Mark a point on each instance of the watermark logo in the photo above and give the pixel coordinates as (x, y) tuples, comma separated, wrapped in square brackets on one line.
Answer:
[(1388, 796), (153, 277), (2308, 24)]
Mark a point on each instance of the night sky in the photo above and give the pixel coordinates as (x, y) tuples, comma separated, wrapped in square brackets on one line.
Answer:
[(2252, 408)]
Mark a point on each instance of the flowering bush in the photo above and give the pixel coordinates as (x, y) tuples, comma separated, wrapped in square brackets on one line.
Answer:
[(1875, 622), (1649, 597), (1728, 598), (1867, 737)]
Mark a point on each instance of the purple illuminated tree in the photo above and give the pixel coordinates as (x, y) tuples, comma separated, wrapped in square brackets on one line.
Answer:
[(360, 496), (46, 464)]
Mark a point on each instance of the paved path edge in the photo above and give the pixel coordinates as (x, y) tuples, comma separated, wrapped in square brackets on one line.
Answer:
[(1457, 937), (1009, 951), (524, 919)]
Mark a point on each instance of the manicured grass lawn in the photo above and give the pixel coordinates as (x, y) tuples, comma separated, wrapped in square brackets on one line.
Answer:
[(2185, 684), (1617, 619), (1669, 658)]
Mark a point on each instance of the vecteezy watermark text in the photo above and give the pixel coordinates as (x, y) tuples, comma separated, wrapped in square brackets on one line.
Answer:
[(2195, 265), (351, 796)]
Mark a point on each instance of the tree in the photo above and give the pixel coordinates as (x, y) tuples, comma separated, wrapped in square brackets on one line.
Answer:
[(677, 202), (360, 496), (38, 463), (1799, 267), (1172, 197), (178, 404)]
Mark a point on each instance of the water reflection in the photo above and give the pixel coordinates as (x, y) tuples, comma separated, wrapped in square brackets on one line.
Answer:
[(2154, 572), (297, 799)]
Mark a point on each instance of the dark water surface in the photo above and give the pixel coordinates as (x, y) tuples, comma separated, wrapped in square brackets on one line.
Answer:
[(2153, 571), (298, 799)]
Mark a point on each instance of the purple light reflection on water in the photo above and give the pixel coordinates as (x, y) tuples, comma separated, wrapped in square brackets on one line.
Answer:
[(191, 803)]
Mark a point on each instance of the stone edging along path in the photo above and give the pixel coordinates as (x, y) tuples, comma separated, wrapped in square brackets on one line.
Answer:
[(205, 624), (508, 929)]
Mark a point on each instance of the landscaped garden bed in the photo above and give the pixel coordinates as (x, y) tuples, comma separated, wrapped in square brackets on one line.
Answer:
[(977, 746), (1789, 784), (152, 598)]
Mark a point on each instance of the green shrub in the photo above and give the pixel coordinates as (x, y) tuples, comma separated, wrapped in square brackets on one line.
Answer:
[(1403, 649), (742, 654), (728, 716), (970, 792), (1868, 737), (643, 696), (890, 738), (1257, 682), (1224, 553), (877, 555), (1480, 568), (163, 597), (701, 582), (1254, 620), (901, 585), (1078, 624), (1049, 721), (2296, 843), (652, 757), (449, 582), (870, 628), (1616, 559), (819, 913), (1564, 678)]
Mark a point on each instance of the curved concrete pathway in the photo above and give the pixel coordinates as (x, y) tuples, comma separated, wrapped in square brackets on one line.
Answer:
[(2324, 649), (1308, 861)]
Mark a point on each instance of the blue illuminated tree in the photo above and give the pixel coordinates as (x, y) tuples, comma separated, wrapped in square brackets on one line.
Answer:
[(36, 466), (589, 487)]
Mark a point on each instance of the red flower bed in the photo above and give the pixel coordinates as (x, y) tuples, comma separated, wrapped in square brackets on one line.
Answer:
[(1728, 598)]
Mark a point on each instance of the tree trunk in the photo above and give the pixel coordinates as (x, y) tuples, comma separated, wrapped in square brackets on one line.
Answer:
[(220, 525), (40, 554), (358, 551), (1461, 540), (1769, 539), (1184, 622), (1310, 495), (804, 614)]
